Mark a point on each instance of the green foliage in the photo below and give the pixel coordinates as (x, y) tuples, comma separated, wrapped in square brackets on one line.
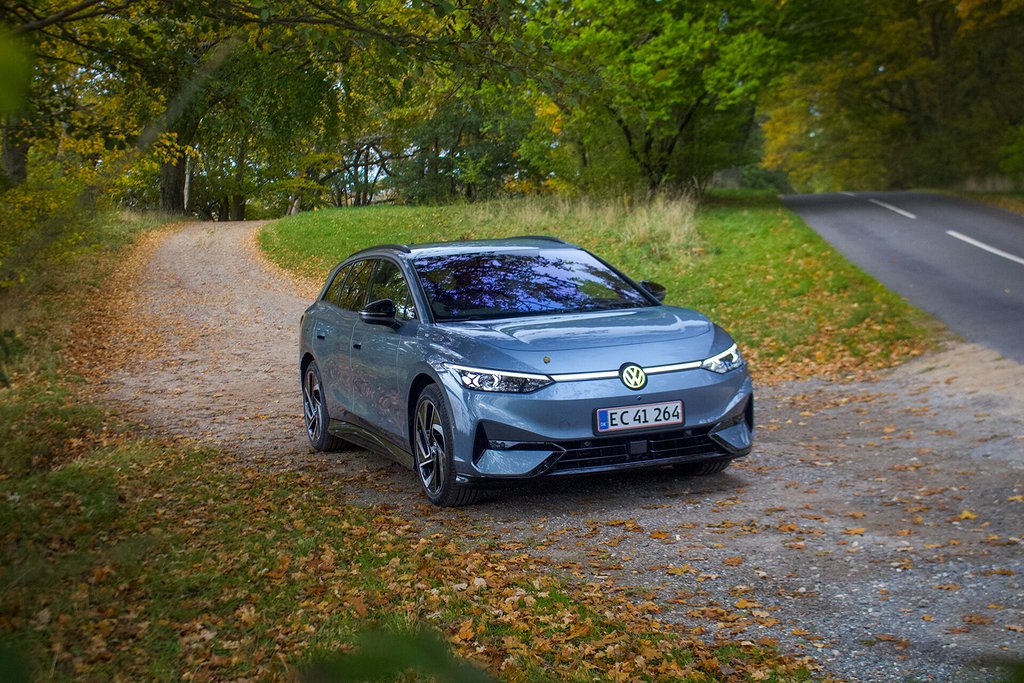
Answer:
[(929, 100), (661, 95), (43, 218), (1012, 154), (17, 71)]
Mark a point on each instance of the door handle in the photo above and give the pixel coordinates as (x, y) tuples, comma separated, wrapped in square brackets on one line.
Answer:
[(357, 346)]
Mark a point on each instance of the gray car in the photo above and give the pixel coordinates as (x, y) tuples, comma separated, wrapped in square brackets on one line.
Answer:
[(482, 362)]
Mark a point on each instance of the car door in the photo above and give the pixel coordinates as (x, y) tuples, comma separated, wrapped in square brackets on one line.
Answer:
[(334, 335), (377, 351)]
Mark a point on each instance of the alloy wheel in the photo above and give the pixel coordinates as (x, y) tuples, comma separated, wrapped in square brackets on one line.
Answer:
[(431, 456), (312, 400)]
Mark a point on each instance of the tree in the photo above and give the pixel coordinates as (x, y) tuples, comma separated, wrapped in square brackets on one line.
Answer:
[(675, 81), (927, 101)]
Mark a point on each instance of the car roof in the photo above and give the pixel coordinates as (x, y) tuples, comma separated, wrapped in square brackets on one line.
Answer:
[(468, 246)]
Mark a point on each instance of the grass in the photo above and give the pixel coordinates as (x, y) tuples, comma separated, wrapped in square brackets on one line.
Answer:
[(125, 558), (41, 419), (797, 307), (148, 561)]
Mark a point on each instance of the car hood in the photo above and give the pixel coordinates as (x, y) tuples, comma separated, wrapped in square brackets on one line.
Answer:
[(581, 342)]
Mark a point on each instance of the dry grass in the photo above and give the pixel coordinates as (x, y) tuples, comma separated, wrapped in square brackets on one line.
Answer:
[(659, 225)]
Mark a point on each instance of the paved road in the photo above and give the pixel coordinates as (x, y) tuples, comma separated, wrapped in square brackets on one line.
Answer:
[(960, 261)]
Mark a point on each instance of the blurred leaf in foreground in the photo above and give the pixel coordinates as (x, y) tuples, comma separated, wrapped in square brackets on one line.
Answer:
[(383, 656)]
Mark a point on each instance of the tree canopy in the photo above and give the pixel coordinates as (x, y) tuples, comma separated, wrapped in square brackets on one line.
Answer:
[(225, 108)]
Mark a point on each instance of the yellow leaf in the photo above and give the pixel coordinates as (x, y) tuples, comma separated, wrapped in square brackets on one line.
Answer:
[(466, 630), (967, 514)]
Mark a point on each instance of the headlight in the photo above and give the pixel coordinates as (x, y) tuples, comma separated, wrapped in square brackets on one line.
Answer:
[(498, 380), (727, 360)]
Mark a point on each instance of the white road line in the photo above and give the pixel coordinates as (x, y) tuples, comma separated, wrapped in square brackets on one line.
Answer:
[(981, 245), (848, 194), (905, 214)]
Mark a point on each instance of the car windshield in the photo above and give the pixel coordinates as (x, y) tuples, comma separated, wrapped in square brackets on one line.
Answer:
[(511, 284)]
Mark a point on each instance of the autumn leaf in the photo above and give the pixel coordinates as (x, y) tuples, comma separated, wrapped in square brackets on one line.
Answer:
[(976, 619)]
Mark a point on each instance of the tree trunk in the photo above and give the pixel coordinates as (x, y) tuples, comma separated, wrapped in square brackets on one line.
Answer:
[(173, 173), (237, 207), (15, 157), (172, 186), (188, 184)]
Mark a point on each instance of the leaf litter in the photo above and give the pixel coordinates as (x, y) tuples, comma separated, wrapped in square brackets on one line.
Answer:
[(520, 595)]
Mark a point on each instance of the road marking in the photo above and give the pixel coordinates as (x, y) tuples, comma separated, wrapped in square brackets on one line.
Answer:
[(848, 194), (905, 214), (981, 245)]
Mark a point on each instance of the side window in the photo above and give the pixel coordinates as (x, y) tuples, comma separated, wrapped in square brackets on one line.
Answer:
[(334, 291), (389, 283), (353, 298)]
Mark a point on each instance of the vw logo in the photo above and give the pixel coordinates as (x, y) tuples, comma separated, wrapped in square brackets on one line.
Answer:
[(633, 376)]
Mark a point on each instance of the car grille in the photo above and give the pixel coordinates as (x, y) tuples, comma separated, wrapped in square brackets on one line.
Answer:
[(606, 452)]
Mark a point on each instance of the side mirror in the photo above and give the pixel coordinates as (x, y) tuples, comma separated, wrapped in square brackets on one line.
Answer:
[(656, 290), (380, 312)]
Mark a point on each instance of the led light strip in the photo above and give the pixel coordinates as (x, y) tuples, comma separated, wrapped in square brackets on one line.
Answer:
[(654, 370), (601, 374)]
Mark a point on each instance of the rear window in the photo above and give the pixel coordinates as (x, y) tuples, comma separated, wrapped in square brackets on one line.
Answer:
[(512, 284)]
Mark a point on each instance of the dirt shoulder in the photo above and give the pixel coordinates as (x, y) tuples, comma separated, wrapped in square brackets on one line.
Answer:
[(876, 526)]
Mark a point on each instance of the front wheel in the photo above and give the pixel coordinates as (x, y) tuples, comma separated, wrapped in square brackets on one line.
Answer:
[(432, 448), (314, 412)]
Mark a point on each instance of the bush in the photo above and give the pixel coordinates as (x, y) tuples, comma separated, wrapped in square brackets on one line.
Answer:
[(44, 219)]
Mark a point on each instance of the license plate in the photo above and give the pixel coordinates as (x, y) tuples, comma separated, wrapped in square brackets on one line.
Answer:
[(639, 417)]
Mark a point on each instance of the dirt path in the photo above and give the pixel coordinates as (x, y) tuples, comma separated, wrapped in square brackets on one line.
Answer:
[(877, 526)]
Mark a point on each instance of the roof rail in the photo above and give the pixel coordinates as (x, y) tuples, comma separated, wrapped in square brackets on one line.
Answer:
[(549, 238), (397, 247)]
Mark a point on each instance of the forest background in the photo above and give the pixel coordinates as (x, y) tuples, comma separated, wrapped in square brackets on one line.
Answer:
[(225, 110)]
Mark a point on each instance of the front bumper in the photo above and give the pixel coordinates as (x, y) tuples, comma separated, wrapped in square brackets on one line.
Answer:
[(549, 432)]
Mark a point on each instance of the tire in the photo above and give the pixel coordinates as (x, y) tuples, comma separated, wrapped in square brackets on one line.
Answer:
[(314, 412), (701, 469), (432, 452)]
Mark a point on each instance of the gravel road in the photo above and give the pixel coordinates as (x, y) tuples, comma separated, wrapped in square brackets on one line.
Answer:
[(876, 527)]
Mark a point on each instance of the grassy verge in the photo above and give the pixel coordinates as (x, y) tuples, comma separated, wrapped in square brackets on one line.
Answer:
[(1011, 201), (129, 559), (796, 305)]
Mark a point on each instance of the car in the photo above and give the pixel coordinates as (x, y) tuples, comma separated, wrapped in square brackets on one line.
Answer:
[(484, 362)]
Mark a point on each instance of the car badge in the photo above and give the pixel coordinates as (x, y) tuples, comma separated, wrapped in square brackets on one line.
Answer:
[(547, 359), (633, 376)]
